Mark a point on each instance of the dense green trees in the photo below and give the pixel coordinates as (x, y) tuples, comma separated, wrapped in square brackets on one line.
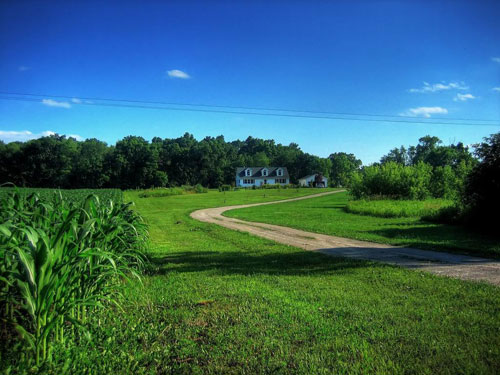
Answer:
[(428, 169), (481, 198), (57, 161), (342, 168), (429, 150)]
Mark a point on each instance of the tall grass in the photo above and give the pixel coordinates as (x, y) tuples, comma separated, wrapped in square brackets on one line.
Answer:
[(61, 261), (397, 208), (167, 192)]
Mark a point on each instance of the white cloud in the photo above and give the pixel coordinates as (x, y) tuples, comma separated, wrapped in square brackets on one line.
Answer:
[(496, 59), (425, 111), (178, 74), (23, 68), (55, 103), (427, 87), (26, 135), (76, 100), (497, 89), (463, 97)]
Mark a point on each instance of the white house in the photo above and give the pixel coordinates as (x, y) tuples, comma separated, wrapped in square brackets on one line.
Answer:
[(311, 181), (258, 176)]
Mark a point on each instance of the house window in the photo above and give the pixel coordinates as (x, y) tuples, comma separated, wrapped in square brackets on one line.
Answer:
[(248, 181), (248, 172), (264, 172), (280, 172), (281, 180)]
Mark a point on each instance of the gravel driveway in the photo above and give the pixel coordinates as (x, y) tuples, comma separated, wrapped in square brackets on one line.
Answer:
[(440, 263)]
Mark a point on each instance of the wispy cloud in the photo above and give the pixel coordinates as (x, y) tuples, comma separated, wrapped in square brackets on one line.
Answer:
[(178, 74), (497, 89), (427, 87), (23, 68), (425, 111), (55, 103), (26, 135), (76, 100), (496, 59), (463, 97)]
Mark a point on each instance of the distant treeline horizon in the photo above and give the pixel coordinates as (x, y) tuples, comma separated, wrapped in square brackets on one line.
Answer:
[(133, 162)]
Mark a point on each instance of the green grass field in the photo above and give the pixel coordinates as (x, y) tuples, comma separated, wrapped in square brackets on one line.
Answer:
[(217, 301), (220, 301), (397, 208), (327, 215)]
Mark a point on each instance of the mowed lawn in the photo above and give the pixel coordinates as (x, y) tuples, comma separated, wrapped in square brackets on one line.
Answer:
[(219, 301), (327, 215)]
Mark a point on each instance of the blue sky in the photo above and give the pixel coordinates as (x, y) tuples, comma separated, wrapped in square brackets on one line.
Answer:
[(433, 60)]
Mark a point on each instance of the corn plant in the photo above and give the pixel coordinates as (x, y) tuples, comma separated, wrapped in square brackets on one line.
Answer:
[(60, 260)]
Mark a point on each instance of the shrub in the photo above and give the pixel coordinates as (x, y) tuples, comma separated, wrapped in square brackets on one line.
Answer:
[(160, 192), (198, 189), (481, 198), (392, 180), (225, 188)]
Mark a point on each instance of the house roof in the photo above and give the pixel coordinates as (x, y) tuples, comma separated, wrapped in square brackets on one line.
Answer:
[(257, 172)]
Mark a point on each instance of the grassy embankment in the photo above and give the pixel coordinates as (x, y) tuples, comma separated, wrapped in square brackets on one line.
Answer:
[(328, 215)]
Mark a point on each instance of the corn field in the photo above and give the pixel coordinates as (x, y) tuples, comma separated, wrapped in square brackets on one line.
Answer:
[(61, 261)]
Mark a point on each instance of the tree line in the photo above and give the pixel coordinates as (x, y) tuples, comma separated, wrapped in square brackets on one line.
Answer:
[(133, 162), (428, 169)]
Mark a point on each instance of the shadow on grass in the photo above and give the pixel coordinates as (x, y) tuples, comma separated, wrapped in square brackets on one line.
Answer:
[(251, 263), (449, 238)]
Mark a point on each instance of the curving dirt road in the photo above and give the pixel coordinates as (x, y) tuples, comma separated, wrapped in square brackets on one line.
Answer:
[(440, 263)]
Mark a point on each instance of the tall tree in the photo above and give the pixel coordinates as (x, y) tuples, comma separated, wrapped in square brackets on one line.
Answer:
[(342, 169)]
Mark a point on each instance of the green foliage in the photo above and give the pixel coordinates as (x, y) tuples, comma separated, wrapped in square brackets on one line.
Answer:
[(225, 187), (393, 180), (60, 262), (343, 166), (429, 150), (397, 208), (481, 198), (74, 196), (166, 192), (135, 163)]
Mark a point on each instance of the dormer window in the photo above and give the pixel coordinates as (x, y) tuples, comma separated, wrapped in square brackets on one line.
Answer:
[(279, 172), (264, 172), (248, 172)]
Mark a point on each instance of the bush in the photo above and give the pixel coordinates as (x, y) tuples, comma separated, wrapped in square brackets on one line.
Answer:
[(198, 189), (448, 182), (166, 192), (225, 188), (160, 192), (481, 198), (393, 180)]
